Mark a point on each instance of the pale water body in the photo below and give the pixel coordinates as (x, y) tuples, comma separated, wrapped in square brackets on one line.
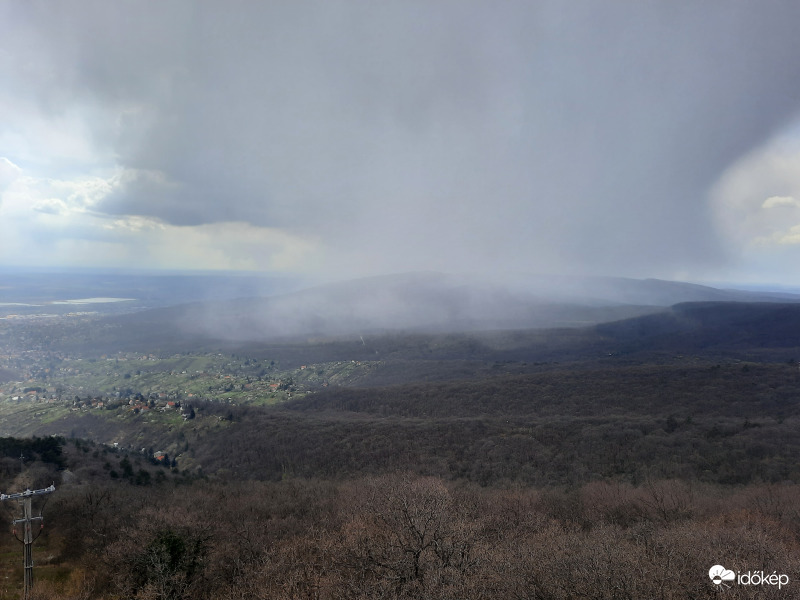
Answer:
[(92, 300), (75, 301)]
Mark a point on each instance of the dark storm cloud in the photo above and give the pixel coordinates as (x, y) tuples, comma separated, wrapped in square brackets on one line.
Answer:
[(534, 135)]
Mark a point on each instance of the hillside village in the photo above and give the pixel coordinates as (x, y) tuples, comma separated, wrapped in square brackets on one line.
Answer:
[(138, 382), (147, 404), (148, 382)]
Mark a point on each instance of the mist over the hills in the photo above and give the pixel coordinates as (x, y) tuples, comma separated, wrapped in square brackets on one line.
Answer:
[(435, 302)]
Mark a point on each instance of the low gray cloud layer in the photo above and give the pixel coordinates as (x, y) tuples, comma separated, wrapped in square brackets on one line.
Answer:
[(537, 136)]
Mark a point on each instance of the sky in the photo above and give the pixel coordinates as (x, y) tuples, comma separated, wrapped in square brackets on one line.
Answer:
[(336, 139)]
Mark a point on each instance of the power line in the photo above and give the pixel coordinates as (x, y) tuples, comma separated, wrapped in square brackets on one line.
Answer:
[(25, 499)]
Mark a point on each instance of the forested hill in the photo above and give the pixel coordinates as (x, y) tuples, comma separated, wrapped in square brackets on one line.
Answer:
[(730, 327), (748, 330), (408, 303)]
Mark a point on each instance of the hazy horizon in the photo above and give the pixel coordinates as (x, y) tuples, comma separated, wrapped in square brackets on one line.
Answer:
[(298, 282), (334, 140)]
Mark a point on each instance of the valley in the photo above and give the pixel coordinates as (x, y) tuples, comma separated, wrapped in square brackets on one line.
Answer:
[(528, 441)]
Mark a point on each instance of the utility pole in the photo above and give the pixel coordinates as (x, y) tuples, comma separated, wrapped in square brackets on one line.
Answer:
[(25, 499)]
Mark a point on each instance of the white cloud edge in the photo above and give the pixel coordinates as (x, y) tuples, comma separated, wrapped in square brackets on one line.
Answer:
[(44, 220), (778, 201)]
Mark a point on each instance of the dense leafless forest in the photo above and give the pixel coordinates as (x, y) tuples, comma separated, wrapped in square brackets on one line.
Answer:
[(405, 535)]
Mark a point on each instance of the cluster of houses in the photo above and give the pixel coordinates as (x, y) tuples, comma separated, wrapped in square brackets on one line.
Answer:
[(136, 404)]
